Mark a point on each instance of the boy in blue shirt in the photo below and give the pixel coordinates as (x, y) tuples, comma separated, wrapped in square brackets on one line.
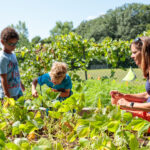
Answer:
[(10, 83), (57, 79)]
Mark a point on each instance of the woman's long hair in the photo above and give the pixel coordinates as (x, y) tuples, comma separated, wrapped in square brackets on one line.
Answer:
[(143, 44), (145, 64)]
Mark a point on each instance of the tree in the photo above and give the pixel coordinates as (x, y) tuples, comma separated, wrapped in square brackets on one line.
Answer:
[(36, 40), (61, 28), (23, 34), (46, 40), (124, 23), (131, 20)]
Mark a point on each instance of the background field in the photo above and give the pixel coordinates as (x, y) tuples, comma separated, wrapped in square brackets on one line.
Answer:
[(118, 76)]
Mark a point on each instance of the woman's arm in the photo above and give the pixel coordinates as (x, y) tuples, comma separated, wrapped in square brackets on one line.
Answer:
[(5, 84), (34, 84), (140, 97), (136, 106)]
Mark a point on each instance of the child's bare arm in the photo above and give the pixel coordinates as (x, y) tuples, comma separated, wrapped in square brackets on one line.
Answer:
[(66, 93), (34, 84), (5, 84), (54, 90), (22, 87)]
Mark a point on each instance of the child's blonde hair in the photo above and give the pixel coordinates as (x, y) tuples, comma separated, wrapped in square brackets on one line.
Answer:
[(58, 70)]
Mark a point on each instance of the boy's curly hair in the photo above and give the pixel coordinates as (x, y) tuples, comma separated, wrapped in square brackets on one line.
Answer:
[(9, 33), (58, 70)]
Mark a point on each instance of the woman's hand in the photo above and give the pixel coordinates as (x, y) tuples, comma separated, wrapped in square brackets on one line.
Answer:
[(34, 93), (116, 94), (123, 103)]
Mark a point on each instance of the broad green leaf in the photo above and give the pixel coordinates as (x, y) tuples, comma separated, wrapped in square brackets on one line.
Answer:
[(58, 146), (43, 144), (2, 143), (127, 116), (12, 146), (3, 125), (28, 127), (16, 124), (138, 124), (113, 126), (11, 101), (15, 130), (22, 53), (144, 128), (134, 144), (83, 131), (2, 135), (84, 141), (19, 141), (38, 122), (72, 137), (53, 114), (25, 145)]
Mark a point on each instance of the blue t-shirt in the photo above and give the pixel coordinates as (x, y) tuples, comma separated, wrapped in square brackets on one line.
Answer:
[(9, 66), (64, 85)]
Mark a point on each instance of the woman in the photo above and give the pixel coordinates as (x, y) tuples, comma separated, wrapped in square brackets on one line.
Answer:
[(137, 104)]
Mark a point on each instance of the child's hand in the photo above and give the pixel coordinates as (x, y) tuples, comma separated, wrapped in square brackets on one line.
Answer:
[(65, 94), (34, 93), (22, 87), (54, 90)]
